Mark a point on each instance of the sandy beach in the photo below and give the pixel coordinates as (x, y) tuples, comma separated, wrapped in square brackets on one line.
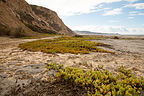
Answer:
[(21, 68)]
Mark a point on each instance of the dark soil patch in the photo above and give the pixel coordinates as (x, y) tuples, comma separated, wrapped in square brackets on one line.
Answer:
[(47, 88)]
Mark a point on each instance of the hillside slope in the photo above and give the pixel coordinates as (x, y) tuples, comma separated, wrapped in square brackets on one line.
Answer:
[(51, 19), (18, 16)]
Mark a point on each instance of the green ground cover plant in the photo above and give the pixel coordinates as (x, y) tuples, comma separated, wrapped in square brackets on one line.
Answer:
[(64, 45), (88, 37), (100, 82)]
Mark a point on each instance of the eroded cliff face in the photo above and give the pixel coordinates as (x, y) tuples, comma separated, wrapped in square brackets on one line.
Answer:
[(51, 19), (9, 20), (16, 15)]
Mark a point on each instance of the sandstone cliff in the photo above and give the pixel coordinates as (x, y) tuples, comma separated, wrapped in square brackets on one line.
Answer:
[(51, 19), (17, 16)]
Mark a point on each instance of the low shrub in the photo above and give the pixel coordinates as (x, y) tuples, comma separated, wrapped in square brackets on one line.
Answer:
[(80, 36), (100, 82), (63, 45), (115, 37), (85, 37)]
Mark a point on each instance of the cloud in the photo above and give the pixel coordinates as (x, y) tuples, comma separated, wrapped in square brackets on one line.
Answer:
[(137, 5), (140, 14), (131, 0), (113, 21), (72, 7), (130, 17), (133, 13), (116, 11), (109, 29)]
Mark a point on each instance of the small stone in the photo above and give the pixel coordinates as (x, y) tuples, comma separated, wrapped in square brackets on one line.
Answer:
[(2, 75)]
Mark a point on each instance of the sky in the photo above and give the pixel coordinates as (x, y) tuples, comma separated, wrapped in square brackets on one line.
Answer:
[(105, 16)]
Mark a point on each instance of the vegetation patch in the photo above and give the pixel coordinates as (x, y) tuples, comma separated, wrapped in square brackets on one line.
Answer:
[(64, 45), (100, 82), (89, 37), (115, 37)]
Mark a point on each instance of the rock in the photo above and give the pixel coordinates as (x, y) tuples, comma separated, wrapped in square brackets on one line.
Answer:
[(37, 78), (2, 75), (2, 68), (32, 68), (12, 63), (20, 17), (4, 1), (50, 73), (51, 20)]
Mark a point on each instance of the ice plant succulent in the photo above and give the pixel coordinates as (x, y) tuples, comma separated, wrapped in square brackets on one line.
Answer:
[(64, 45), (101, 83)]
